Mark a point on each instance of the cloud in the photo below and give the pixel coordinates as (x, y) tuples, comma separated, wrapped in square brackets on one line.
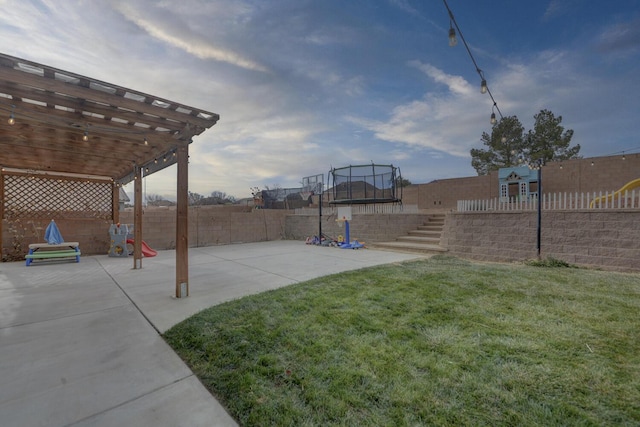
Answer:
[(623, 37), (456, 84), (438, 122), (168, 28)]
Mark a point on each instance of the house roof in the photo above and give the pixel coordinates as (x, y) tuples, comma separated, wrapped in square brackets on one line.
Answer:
[(53, 110)]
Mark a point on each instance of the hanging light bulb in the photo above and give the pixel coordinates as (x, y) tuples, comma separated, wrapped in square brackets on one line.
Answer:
[(493, 118), (503, 139), (12, 117), (452, 36), (483, 86), (623, 156), (145, 141), (85, 137)]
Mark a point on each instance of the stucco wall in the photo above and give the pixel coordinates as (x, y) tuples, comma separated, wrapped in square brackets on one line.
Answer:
[(605, 239)]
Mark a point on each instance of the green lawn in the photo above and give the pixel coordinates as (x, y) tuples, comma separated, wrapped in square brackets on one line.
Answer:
[(434, 342)]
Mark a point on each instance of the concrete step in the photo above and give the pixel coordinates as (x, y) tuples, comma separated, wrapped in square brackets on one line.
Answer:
[(420, 239), (436, 221), (426, 233), (434, 228), (408, 247)]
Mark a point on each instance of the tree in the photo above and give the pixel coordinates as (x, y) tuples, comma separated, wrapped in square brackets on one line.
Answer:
[(509, 146), (402, 182), (157, 200), (504, 144), (195, 199), (218, 198), (549, 141)]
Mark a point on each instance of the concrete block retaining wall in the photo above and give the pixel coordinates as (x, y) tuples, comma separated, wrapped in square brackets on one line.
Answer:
[(363, 227), (604, 239)]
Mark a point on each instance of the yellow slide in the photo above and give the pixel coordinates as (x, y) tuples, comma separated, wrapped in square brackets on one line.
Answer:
[(628, 186)]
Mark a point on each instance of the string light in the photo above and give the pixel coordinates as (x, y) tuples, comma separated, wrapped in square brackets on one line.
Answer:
[(484, 88), (12, 117), (452, 35), (85, 137), (146, 142)]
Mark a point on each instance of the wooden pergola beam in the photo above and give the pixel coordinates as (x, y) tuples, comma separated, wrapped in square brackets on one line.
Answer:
[(54, 108)]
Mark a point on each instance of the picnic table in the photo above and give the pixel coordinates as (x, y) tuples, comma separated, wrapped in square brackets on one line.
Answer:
[(70, 250)]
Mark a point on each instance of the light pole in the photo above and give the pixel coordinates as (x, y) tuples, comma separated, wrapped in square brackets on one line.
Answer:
[(539, 165)]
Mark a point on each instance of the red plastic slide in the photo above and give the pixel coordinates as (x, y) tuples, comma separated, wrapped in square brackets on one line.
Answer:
[(146, 249)]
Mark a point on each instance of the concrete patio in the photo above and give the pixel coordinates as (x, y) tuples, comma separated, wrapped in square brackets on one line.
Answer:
[(80, 343)]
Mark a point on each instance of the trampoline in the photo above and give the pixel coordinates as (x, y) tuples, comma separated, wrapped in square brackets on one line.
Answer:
[(364, 184)]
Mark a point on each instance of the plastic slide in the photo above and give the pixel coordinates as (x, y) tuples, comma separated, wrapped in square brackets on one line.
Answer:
[(628, 186), (146, 249)]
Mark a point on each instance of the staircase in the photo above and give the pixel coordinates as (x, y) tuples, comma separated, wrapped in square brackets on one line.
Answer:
[(425, 239)]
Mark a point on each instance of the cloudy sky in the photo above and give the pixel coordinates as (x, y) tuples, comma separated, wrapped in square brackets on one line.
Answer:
[(303, 86)]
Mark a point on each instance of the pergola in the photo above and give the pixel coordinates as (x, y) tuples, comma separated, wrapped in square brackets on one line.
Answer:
[(63, 125)]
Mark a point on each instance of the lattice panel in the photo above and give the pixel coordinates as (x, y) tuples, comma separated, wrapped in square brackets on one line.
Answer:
[(42, 197)]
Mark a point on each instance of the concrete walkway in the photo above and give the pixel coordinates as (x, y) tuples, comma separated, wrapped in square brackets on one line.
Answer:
[(80, 343)]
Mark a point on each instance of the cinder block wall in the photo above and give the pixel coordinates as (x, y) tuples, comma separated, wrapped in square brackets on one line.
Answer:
[(211, 225), (604, 239), (362, 227)]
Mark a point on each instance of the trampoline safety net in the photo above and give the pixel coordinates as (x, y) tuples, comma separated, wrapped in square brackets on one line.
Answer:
[(366, 184)]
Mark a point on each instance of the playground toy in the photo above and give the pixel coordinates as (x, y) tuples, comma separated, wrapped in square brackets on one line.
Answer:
[(119, 234), (344, 216), (365, 184), (146, 249), (515, 183), (628, 186)]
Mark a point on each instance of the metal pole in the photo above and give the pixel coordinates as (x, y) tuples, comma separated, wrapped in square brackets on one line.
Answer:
[(539, 205), (320, 213)]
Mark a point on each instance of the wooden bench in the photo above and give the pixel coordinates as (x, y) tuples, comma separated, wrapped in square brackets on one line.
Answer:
[(70, 250)]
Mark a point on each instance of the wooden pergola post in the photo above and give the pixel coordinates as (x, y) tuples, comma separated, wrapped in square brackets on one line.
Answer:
[(182, 221), (115, 207), (1, 210), (137, 218)]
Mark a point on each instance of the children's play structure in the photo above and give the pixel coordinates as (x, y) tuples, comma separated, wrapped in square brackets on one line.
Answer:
[(516, 182), (343, 218), (366, 184), (121, 236), (627, 187)]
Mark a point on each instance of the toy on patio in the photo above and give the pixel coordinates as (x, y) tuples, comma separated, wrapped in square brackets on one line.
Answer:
[(54, 248), (121, 236), (344, 216)]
